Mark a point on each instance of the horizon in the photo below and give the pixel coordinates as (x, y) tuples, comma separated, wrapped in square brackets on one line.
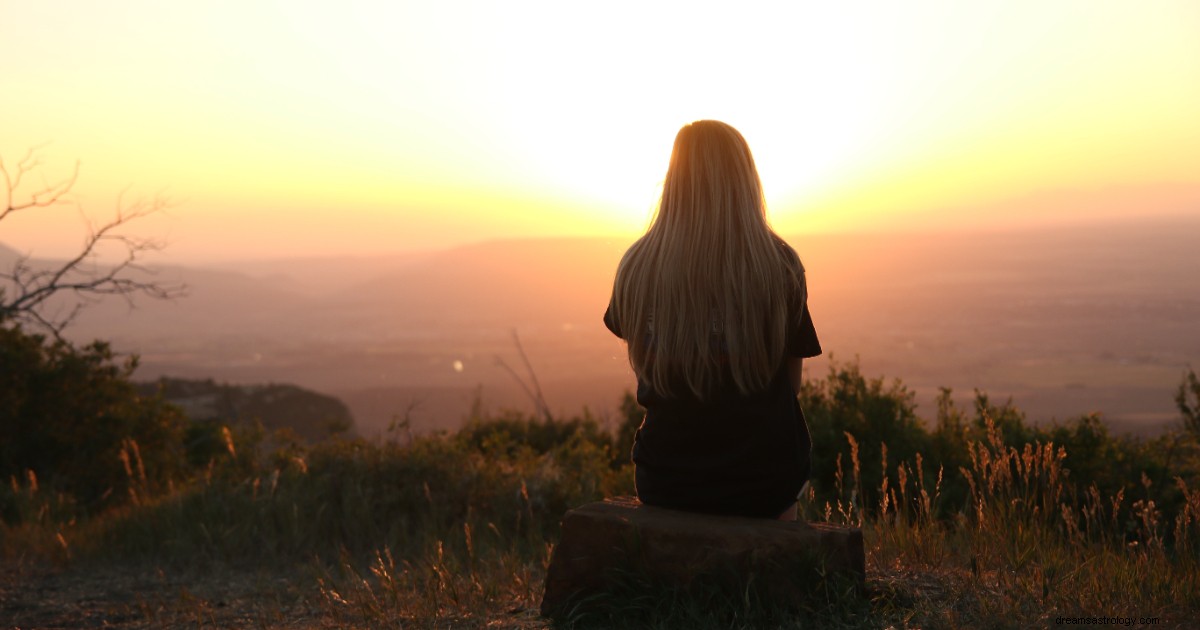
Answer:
[(283, 129), (1091, 316), (297, 142), (372, 243), (166, 257)]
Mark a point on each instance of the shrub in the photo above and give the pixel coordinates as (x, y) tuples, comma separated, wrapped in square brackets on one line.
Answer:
[(873, 413), (71, 419)]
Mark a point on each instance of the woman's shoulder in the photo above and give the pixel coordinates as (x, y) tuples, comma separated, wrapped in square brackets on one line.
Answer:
[(789, 255), (632, 253)]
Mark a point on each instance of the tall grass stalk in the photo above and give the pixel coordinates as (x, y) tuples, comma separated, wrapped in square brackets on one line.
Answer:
[(459, 528), (1031, 545)]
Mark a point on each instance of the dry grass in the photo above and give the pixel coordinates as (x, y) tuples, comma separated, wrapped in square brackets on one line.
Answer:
[(1028, 549), (444, 533)]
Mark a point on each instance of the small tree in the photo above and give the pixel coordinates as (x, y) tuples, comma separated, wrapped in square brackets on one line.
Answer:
[(69, 416), (27, 287)]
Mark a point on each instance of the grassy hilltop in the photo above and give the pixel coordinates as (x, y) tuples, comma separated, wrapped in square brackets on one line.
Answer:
[(972, 518)]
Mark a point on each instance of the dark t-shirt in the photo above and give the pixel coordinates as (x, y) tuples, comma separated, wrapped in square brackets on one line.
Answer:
[(734, 454)]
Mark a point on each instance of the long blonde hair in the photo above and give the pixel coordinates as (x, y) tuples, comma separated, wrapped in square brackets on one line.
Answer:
[(704, 295)]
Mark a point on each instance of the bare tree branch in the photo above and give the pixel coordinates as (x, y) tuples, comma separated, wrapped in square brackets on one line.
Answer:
[(534, 393), (49, 195), (27, 288)]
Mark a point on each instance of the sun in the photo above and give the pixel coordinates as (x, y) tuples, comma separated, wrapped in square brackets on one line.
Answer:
[(586, 118), (614, 165)]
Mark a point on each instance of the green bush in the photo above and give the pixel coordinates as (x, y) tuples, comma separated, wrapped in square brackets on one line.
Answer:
[(512, 430), (853, 418), (71, 422), (354, 495), (874, 414)]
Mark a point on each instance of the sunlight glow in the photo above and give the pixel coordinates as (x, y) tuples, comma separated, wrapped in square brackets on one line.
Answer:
[(394, 125)]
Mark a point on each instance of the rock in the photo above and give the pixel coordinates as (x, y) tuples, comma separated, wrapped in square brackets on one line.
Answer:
[(605, 542)]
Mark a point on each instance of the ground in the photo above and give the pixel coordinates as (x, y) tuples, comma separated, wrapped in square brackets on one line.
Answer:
[(131, 597)]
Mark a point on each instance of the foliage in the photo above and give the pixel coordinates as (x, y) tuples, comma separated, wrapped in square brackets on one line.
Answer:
[(968, 521), (1187, 398), (70, 421), (512, 431), (352, 496), (869, 426), (845, 403), (309, 415)]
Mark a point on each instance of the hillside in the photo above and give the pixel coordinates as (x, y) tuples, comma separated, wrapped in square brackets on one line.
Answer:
[(308, 415)]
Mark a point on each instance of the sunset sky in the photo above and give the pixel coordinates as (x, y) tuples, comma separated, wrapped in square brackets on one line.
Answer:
[(305, 128)]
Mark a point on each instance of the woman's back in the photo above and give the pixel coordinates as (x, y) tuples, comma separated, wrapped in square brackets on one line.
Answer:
[(713, 306)]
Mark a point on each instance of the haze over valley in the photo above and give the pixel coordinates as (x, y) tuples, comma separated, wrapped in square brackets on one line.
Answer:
[(1066, 320)]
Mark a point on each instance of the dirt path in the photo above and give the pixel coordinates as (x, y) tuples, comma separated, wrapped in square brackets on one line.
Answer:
[(127, 597), (134, 597)]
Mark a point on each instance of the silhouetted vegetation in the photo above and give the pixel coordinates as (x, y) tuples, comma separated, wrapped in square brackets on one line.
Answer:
[(853, 417), (108, 263), (1187, 398), (973, 516), (73, 424), (302, 414)]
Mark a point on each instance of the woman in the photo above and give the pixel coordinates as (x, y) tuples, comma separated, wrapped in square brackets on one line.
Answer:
[(712, 305)]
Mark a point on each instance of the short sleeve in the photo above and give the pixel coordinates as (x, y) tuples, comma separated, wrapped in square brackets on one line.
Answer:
[(802, 339), (610, 321)]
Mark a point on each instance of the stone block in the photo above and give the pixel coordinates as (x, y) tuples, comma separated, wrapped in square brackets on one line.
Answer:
[(603, 541)]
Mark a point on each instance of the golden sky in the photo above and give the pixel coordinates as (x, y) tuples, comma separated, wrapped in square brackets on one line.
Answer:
[(315, 128)]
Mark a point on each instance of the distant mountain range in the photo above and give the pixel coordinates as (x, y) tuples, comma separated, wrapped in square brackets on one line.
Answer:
[(1066, 319)]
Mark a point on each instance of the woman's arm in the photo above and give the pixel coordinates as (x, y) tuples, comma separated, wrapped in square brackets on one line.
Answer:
[(794, 372)]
